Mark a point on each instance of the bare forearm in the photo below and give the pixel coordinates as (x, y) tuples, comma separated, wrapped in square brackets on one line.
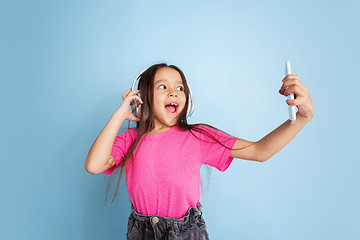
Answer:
[(101, 149), (269, 145)]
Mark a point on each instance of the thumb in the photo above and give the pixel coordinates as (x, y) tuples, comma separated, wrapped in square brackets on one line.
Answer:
[(290, 101)]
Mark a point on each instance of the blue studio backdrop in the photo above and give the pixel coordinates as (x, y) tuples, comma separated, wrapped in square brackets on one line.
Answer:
[(65, 65)]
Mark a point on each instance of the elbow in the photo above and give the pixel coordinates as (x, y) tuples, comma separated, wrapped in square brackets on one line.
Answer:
[(259, 154), (89, 169), (262, 159)]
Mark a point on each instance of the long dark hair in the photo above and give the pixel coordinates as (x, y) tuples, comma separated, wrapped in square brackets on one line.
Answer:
[(147, 118)]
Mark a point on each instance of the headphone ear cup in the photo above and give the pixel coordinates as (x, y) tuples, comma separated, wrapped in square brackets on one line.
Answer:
[(190, 106), (138, 108)]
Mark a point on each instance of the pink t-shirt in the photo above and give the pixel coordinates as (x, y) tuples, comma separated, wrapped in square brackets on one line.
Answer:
[(164, 179)]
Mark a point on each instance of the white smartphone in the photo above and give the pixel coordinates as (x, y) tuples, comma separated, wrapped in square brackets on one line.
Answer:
[(292, 110)]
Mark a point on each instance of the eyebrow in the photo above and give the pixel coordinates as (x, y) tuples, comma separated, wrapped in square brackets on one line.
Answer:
[(164, 80)]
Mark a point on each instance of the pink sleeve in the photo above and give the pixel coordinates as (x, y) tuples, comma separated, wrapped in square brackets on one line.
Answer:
[(118, 151), (214, 154)]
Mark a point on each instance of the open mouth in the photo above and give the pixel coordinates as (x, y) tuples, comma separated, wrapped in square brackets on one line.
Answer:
[(171, 108)]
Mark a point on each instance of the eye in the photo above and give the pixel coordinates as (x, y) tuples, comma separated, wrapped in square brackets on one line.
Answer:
[(182, 89)]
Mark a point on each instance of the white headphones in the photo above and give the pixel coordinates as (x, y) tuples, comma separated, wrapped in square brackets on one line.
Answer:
[(137, 106)]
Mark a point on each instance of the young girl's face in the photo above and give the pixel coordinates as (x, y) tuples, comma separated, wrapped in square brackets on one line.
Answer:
[(168, 87)]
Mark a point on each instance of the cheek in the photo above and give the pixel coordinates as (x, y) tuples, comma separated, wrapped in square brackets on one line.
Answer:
[(184, 99), (158, 103)]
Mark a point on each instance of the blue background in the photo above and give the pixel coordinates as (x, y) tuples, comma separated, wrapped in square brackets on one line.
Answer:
[(65, 65)]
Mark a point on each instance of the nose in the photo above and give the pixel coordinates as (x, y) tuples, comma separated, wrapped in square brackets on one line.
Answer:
[(172, 94)]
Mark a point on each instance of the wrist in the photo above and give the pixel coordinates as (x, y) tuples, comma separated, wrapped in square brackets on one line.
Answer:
[(118, 114), (305, 118)]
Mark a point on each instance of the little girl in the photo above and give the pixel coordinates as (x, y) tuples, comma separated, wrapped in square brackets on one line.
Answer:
[(163, 155)]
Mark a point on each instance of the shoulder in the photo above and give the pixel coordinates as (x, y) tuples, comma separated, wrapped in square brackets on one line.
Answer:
[(129, 133), (206, 131), (211, 132), (206, 128)]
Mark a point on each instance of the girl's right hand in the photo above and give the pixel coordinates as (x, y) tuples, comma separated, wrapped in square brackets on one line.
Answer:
[(128, 97)]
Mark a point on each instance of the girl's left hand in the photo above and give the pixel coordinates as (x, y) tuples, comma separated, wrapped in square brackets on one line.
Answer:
[(302, 97)]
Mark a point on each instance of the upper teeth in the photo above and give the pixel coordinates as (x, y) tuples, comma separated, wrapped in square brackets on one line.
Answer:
[(173, 104)]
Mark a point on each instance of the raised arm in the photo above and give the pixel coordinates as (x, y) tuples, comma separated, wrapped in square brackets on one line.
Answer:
[(277, 139), (99, 157), (272, 143), (269, 145), (100, 152)]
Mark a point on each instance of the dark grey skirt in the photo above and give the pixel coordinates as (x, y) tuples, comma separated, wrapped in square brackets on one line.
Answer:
[(192, 226)]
